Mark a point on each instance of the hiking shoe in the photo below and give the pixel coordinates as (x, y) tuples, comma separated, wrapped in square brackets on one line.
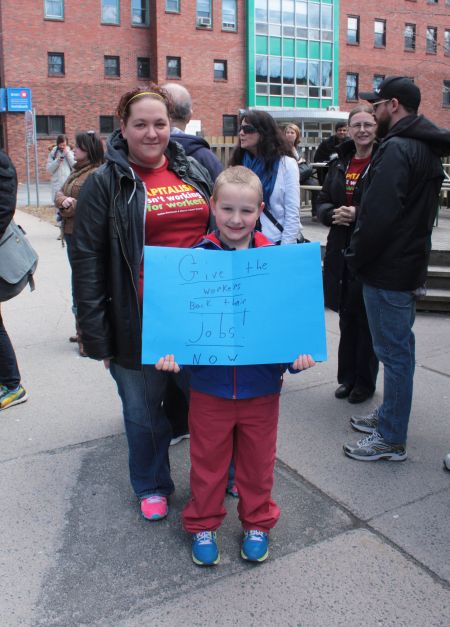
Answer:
[(154, 507), (447, 462), (365, 424), (8, 398), (205, 551), (232, 491), (255, 546), (176, 439), (374, 447)]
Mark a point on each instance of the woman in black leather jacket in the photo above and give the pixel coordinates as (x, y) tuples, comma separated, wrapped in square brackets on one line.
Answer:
[(126, 203), (337, 208)]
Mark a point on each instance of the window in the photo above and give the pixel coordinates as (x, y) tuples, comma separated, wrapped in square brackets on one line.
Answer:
[(229, 125), (143, 67), (220, 70), (110, 12), (204, 14), (112, 66), (107, 124), (352, 29), (410, 36), (446, 94), (352, 86), (50, 125), (377, 80), (432, 1), (431, 39), (447, 43), (379, 33), (173, 67), (55, 62), (54, 9), (173, 6), (140, 15), (229, 15)]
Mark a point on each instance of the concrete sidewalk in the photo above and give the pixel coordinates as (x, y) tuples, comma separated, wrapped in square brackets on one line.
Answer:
[(357, 544)]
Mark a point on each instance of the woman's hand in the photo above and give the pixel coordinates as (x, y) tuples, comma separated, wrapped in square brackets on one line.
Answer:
[(303, 362), (344, 216), (67, 202), (167, 364)]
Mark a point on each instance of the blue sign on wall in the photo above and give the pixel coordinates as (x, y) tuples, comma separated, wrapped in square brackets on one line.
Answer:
[(2, 99), (18, 98)]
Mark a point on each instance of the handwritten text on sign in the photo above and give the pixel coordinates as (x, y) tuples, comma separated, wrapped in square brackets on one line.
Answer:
[(262, 305)]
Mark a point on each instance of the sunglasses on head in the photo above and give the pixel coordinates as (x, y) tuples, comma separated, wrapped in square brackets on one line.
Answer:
[(247, 129)]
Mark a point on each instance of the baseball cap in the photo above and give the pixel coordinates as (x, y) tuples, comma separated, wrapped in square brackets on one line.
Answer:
[(400, 87)]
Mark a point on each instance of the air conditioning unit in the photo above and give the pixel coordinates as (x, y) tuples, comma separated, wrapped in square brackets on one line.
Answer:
[(204, 21), (228, 26), (333, 108)]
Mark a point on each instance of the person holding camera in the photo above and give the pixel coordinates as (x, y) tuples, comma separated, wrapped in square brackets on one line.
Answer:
[(60, 163)]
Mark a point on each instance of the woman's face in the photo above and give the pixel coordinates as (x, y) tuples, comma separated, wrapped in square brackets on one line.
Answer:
[(291, 135), (79, 153), (362, 129), (248, 140), (147, 132)]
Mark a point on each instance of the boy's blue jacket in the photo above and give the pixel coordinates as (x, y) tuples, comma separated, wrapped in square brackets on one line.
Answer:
[(237, 382)]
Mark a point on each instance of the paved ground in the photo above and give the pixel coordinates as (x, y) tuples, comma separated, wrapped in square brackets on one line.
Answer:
[(357, 543)]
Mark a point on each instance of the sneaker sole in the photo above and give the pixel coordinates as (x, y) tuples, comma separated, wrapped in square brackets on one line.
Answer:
[(258, 559), (199, 563), (178, 439), (154, 517), (362, 429), (22, 399), (391, 457)]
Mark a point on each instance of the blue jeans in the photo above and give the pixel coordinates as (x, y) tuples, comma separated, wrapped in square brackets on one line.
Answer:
[(9, 371), (391, 317), (68, 240), (147, 427)]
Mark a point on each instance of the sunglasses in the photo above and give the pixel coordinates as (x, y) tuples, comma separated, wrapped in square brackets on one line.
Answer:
[(376, 104), (247, 129)]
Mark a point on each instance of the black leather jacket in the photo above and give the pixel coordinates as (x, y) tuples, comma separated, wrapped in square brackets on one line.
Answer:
[(391, 243), (8, 191), (108, 243)]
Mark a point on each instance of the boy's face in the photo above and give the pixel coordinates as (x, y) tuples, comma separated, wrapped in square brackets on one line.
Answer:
[(236, 210)]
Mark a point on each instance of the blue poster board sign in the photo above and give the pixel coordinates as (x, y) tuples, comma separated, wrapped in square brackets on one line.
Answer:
[(256, 306), (2, 99), (18, 98)]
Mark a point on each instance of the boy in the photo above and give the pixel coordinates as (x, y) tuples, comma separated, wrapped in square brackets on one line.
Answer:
[(233, 410)]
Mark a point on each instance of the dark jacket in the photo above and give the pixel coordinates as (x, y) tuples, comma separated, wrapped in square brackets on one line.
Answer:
[(108, 247), (323, 154), (336, 279), (237, 382), (198, 148), (391, 244), (8, 191)]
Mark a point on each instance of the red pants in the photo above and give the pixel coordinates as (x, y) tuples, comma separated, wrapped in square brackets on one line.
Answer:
[(247, 430)]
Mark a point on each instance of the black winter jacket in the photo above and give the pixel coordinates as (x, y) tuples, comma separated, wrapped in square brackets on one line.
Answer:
[(8, 191), (336, 279), (199, 148), (108, 243), (391, 243), (323, 154)]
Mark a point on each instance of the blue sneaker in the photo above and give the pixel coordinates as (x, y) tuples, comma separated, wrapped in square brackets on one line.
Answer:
[(255, 546), (8, 398), (205, 551)]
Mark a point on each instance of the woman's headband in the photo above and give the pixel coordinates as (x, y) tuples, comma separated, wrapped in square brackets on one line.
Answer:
[(144, 93)]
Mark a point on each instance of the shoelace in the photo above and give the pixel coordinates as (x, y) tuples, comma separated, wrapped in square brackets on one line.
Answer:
[(204, 537), (370, 439), (256, 535)]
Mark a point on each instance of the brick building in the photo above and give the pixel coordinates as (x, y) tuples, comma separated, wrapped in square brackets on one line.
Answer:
[(302, 60), (396, 37)]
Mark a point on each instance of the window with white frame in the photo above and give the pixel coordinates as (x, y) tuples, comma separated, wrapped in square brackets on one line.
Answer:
[(110, 11), (204, 14), (229, 15), (173, 6), (140, 15), (54, 9)]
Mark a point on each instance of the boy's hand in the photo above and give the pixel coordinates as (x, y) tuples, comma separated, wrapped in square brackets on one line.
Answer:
[(167, 364), (303, 362)]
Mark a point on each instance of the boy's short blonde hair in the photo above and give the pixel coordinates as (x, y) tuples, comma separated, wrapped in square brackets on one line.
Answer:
[(238, 175)]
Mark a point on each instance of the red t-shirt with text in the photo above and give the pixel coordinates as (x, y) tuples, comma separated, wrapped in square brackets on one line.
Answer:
[(355, 169)]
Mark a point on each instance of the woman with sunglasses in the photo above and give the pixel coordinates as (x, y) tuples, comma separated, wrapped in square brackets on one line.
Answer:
[(337, 208), (263, 148), (88, 155), (130, 201)]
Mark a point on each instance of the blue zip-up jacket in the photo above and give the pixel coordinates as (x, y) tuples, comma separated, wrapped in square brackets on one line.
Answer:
[(237, 382)]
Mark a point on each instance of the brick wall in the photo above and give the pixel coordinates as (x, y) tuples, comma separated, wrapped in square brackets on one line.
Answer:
[(428, 70)]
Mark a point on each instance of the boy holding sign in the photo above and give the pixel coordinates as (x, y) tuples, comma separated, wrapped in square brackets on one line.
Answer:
[(233, 410)]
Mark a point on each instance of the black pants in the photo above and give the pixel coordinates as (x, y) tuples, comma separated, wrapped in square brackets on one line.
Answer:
[(357, 362), (9, 370)]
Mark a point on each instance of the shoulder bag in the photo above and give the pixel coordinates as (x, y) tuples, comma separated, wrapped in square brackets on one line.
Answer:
[(18, 261)]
